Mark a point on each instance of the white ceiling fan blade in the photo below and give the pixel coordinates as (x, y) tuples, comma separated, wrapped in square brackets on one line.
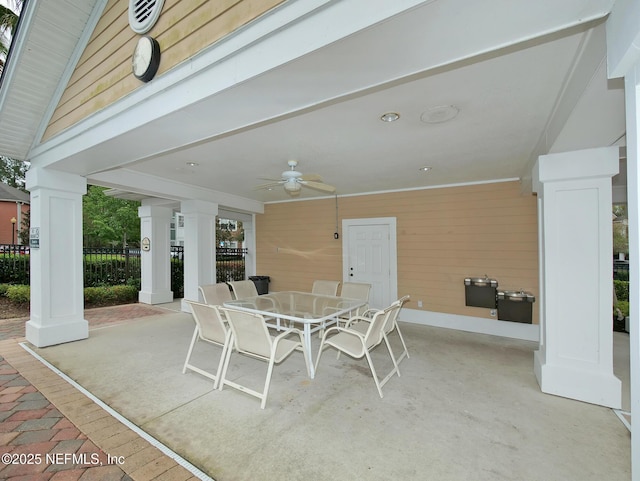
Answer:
[(319, 186), (268, 185), (311, 177)]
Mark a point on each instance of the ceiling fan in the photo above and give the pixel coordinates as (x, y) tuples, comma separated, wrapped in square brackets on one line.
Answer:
[(293, 181)]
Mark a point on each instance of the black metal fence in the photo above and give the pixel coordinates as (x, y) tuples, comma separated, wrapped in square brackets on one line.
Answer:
[(621, 270), (230, 264), (116, 265)]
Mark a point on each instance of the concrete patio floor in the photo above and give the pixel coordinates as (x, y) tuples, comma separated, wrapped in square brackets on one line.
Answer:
[(467, 407)]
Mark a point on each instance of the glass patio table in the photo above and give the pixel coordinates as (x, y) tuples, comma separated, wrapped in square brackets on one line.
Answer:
[(304, 308)]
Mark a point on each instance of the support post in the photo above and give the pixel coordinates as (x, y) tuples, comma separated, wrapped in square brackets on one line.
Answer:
[(575, 358), (199, 247), (155, 255), (57, 282)]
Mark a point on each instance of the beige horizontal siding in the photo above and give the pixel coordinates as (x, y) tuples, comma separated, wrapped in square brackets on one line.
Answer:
[(185, 27), (443, 236)]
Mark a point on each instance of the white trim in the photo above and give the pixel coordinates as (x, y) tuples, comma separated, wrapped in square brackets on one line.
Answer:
[(408, 189), (478, 325)]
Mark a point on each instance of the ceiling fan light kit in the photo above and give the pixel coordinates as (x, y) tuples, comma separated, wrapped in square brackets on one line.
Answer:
[(292, 186)]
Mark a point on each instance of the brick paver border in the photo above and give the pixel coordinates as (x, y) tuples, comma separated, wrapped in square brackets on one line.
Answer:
[(140, 459)]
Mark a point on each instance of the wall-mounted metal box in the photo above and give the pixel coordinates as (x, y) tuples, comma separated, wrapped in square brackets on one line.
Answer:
[(515, 306), (480, 292)]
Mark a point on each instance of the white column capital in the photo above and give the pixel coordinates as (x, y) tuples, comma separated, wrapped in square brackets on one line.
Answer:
[(39, 178), (155, 211), (198, 207), (580, 164)]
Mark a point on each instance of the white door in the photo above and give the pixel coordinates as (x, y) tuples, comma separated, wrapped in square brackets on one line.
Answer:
[(369, 247)]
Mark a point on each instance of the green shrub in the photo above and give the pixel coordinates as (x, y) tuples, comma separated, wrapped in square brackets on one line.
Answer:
[(14, 269), (622, 290), (18, 294), (3, 289), (110, 271), (124, 294), (624, 308), (98, 296)]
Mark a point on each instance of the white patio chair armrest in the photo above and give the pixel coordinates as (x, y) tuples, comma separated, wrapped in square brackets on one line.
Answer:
[(346, 331), (287, 332), (356, 319), (369, 313)]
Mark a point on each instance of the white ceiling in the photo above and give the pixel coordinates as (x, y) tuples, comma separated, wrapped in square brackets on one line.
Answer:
[(526, 81), (506, 101), (504, 105)]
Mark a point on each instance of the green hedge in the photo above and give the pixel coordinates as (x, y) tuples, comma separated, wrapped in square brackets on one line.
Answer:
[(93, 296), (110, 271), (14, 269), (622, 290), (109, 295)]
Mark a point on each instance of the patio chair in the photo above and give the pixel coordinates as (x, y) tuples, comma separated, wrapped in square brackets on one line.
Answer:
[(356, 290), (325, 288), (215, 294), (247, 290), (243, 289), (357, 344), (251, 337), (211, 328), (391, 325)]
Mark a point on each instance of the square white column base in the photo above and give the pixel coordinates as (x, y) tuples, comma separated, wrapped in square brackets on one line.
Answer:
[(155, 297), (591, 386), (43, 336)]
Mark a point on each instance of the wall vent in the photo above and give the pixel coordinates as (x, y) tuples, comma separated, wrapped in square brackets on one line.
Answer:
[(143, 14)]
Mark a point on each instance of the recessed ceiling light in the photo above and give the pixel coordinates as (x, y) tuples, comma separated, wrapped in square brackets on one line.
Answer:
[(390, 117), (192, 164), (439, 114), (424, 169)]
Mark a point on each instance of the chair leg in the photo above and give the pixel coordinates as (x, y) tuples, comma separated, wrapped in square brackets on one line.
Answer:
[(404, 345), (393, 358), (222, 376), (223, 356), (267, 382), (373, 372), (194, 338)]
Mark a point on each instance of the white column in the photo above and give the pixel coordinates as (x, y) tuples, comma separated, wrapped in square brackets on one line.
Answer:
[(57, 284), (155, 235), (623, 60), (575, 358), (199, 247), (632, 102), (250, 244)]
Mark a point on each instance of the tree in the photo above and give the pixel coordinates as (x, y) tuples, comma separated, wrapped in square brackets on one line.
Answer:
[(620, 229), (23, 230), (12, 172), (108, 221), (9, 16)]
